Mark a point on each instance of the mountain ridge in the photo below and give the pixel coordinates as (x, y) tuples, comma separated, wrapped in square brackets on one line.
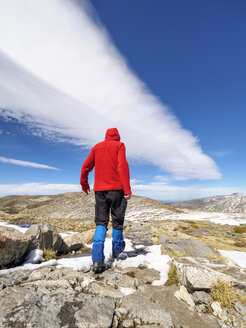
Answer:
[(233, 203)]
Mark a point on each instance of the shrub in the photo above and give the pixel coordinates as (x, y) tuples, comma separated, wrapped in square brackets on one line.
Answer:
[(195, 226), (239, 229), (224, 293), (240, 243), (49, 254)]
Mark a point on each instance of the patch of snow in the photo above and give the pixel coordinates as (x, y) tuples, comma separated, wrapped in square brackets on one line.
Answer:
[(35, 256), (82, 263), (28, 266), (127, 291), (68, 233), (14, 226), (153, 259), (237, 257)]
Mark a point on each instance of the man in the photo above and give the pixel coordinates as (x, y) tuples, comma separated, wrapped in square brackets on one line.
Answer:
[(112, 191)]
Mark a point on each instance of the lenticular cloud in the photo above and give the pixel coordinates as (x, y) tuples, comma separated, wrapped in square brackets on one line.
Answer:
[(61, 74)]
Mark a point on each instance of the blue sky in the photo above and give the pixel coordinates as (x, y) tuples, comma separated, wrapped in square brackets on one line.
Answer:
[(169, 74)]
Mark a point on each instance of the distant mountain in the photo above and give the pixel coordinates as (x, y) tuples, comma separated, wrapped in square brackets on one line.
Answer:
[(77, 205), (234, 203)]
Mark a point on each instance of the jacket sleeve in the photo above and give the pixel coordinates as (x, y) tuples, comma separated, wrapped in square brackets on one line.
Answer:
[(88, 165), (123, 170)]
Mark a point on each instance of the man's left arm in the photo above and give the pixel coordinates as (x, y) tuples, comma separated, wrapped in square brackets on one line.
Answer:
[(124, 172)]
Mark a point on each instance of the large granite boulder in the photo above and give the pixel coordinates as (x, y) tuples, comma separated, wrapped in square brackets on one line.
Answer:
[(43, 235), (13, 246), (177, 247)]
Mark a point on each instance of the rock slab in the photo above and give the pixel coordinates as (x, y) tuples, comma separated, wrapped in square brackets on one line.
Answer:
[(13, 246)]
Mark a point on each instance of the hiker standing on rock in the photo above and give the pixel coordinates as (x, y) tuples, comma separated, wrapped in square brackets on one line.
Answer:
[(112, 191)]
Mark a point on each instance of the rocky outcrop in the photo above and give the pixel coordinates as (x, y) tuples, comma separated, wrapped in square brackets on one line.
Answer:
[(43, 235), (178, 247), (13, 246), (202, 274)]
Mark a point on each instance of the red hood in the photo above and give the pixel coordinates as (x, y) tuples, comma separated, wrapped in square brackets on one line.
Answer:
[(112, 134)]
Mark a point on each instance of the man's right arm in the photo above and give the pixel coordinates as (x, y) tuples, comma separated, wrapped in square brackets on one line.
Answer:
[(88, 165)]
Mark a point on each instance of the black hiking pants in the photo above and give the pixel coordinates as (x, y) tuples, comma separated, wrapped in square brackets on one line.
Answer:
[(113, 200)]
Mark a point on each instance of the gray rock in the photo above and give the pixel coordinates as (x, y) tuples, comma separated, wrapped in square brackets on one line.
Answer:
[(13, 246), (127, 323), (43, 235), (197, 277), (140, 306), (72, 242), (179, 311), (201, 297), (143, 275), (103, 290), (53, 309), (240, 308), (187, 247)]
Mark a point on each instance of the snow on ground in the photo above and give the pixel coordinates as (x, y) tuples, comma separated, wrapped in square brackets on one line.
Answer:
[(17, 227), (235, 256), (152, 259), (162, 214)]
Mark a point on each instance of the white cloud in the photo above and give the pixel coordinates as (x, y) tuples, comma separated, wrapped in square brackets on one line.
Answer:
[(37, 188), (78, 85), (163, 191), (25, 163), (155, 190)]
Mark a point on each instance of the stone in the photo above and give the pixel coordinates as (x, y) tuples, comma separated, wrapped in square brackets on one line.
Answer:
[(127, 323), (87, 236), (185, 296), (187, 247), (72, 242), (96, 288), (240, 308), (120, 312), (179, 311), (196, 277), (13, 246), (143, 275), (54, 309), (44, 236), (140, 306), (201, 297), (217, 310)]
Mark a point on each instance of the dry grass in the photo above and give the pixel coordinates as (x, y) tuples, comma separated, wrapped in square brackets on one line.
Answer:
[(64, 224), (226, 294), (240, 243), (171, 253), (49, 254), (2, 240), (127, 229), (172, 276)]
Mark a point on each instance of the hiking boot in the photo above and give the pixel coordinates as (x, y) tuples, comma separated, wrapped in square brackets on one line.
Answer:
[(123, 247), (98, 267)]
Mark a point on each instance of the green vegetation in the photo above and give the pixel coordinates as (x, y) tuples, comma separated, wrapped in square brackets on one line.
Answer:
[(172, 276), (239, 229)]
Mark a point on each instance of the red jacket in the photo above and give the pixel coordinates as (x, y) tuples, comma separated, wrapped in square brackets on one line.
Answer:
[(111, 167)]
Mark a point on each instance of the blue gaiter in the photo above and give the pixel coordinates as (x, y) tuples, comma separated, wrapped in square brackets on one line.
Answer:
[(117, 241), (98, 244)]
